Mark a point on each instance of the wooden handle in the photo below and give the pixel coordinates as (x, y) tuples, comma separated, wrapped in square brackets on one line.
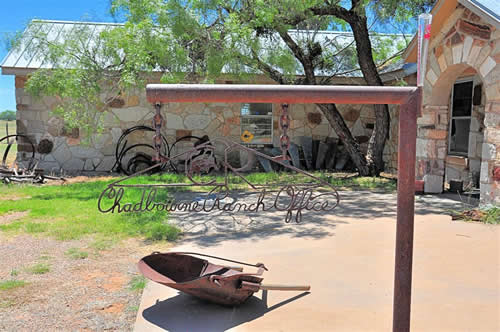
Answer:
[(286, 287), (236, 268)]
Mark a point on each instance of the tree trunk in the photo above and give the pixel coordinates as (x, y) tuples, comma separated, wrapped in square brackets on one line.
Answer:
[(352, 146), (380, 132)]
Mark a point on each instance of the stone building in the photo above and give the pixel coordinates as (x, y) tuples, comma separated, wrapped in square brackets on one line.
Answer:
[(63, 149), (459, 132)]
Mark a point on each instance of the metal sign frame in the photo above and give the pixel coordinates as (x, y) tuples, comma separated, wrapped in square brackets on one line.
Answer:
[(410, 99)]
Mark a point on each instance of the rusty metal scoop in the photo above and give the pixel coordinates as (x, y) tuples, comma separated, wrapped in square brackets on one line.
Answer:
[(198, 277)]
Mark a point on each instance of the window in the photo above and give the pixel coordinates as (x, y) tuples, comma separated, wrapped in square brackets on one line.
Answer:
[(257, 123), (461, 109)]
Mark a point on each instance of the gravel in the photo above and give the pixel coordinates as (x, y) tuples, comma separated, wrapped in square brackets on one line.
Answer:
[(76, 294)]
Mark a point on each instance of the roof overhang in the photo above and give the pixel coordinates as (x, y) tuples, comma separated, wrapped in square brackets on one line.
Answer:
[(441, 12), (16, 71)]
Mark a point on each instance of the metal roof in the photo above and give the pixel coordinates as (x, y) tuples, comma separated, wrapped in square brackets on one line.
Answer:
[(24, 57)]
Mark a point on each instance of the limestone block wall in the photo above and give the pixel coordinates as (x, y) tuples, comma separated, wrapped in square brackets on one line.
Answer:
[(64, 149), (464, 43), (432, 134), (490, 163)]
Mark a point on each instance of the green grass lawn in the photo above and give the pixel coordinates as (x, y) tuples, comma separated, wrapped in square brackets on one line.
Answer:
[(70, 211), (3, 145)]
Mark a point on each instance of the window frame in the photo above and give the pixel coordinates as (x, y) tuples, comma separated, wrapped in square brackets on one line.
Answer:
[(248, 116), (458, 81)]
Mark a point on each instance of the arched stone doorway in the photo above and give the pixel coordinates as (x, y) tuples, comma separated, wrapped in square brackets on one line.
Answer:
[(468, 51)]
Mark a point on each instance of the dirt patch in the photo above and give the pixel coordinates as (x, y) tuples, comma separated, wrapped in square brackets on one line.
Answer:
[(13, 198), (115, 282), (78, 179), (114, 308), (10, 217), (76, 294)]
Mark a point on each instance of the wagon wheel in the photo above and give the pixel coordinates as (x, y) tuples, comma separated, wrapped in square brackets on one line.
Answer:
[(16, 136), (141, 158), (193, 160)]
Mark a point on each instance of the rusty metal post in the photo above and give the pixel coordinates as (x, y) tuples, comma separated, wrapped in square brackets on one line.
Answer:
[(405, 213)]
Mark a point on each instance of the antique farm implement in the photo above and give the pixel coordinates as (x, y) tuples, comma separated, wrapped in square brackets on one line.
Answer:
[(198, 277)]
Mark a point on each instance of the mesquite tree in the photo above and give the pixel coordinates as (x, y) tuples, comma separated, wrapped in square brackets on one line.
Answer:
[(200, 40)]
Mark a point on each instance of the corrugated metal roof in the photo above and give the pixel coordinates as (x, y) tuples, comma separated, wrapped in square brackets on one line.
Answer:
[(25, 56)]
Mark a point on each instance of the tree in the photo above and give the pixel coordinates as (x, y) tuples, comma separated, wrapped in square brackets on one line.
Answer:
[(193, 40), (8, 115)]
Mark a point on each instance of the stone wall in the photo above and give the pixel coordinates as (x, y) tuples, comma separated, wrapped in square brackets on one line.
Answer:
[(68, 153), (464, 44), (490, 163)]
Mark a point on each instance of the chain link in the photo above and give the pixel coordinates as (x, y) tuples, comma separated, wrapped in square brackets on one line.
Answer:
[(158, 122), (284, 122)]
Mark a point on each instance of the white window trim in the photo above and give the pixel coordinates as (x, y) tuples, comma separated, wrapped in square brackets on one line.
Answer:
[(461, 80), (271, 116)]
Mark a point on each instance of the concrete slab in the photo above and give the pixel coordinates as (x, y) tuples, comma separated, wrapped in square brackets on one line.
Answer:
[(348, 259)]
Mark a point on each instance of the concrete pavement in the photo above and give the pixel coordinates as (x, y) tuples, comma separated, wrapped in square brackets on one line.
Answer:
[(348, 259)]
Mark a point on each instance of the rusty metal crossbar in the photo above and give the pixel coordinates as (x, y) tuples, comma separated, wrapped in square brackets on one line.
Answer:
[(410, 100), (256, 93)]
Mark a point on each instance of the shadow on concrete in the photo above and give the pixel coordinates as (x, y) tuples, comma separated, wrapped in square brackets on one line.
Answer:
[(206, 230), (187, 313)]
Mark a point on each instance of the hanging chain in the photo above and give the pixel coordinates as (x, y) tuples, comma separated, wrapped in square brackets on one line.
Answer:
[(284, 126), (158, 122)]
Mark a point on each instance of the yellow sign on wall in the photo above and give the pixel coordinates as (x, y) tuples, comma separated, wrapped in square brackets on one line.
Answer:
[(247, 136)]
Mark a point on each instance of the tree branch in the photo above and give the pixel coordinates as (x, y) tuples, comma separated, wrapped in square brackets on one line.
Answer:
[(333, 10), (299, 54), (273, 73)]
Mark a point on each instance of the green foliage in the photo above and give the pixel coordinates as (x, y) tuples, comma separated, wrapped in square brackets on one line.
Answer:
[(399, 11), (103, 244), (8, 115), (76, 253), (69, 212), (35, 227), (133, 308), (138, 283), (158, 232), (40, 268), (11, 284), (487, 214), (491, 215), (14, 273)]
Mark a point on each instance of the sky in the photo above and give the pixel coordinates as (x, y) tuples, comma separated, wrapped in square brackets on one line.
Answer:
[(15, 14)]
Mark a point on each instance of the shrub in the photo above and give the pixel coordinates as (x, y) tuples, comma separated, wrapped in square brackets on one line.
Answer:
[(8, 115), (11, 284), (76, 253), (40, 268), (137, 283)]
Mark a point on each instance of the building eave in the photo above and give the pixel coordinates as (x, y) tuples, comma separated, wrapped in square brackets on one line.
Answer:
[(486, 15), (17, 71)]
